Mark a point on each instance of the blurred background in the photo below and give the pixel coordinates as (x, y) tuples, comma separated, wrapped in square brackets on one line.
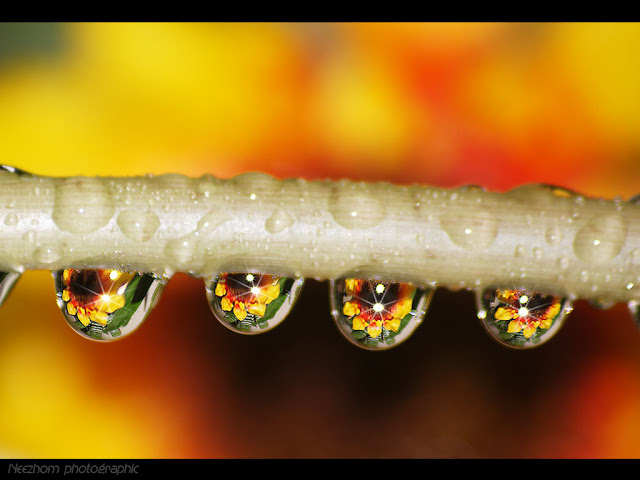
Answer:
[(442, 104)]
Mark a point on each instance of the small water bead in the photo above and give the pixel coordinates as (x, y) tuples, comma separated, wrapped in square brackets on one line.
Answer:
[(600, 240), (521, 318), (47, 254), (473, 231), (252, 303), (278, 221), (138, 226), (7, 282), (11, 220), (553, 235), (104, 304), (377, 315), (353, 206)]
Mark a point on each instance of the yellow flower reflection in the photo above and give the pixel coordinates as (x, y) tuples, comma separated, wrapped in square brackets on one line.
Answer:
[(375, 306), (91, 295), (523, 317), (246, 293)]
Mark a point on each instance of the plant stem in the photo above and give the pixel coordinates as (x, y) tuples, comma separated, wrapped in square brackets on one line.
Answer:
[(534, 236)]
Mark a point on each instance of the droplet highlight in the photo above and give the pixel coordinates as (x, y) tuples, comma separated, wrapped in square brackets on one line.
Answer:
[(7, 282), (521, 318), (104, 304), (251, 302), (377, 315)]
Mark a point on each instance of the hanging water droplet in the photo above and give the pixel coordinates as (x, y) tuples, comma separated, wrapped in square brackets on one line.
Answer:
[(377, 315), (14, 170), (7, 282), (252, 303), (635, 312), (103, 304), (601, 304), (521, 318)]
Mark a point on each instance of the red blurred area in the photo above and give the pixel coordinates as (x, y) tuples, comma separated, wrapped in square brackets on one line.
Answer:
[(497, 105)]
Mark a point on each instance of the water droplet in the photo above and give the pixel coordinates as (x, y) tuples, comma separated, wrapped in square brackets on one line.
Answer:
[(11, 220), (377, 315), (521, 318), (354, 207), (600, 240), (475, 231), (601, 304), (137, 225), (103, 304), (82, 205), (635, 312), (29, 236), (182, 251), (278, 221), (542, 192), (14, 170), (46, 254), (472, 188), (252, 303), (559, 191), (634, 257), (553, 235), (7, 282), (211, 220)]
